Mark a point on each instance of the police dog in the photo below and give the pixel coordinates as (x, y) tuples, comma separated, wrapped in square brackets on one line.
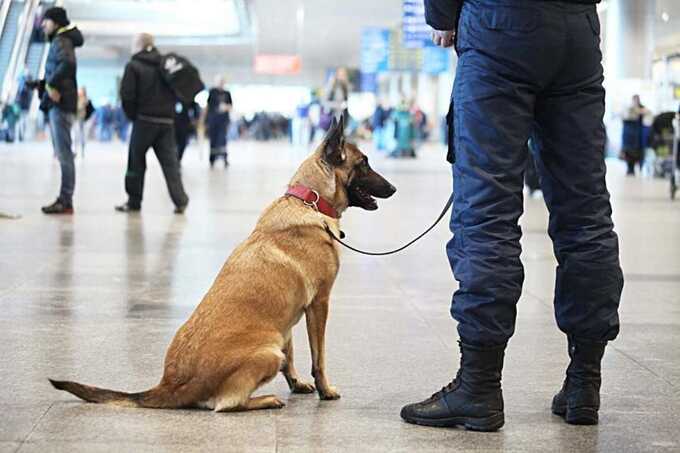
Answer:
[(239, 336)]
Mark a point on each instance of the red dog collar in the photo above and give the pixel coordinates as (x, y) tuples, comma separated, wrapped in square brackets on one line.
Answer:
[(312, 198)]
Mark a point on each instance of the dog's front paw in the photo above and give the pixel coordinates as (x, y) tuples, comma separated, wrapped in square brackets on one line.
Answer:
[(303, 387), (330, 393), (277, 403)]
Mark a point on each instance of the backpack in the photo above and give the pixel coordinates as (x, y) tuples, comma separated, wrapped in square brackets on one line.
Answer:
[(181, 76)]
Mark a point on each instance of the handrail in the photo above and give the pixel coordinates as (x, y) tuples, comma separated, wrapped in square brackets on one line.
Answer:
[(35, 104), (10, 75), (4, 10), (26, 41)]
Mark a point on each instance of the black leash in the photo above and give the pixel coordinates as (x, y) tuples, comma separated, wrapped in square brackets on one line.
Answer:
[(342, 235)]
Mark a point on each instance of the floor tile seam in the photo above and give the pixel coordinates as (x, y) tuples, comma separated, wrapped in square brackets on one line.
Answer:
[(418, 313), (105, 442), (644, 367), (393, 273), (541, 300), (35, 425)]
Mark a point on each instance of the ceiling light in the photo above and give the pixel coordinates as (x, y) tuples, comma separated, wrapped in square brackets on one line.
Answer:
[(665, 17)]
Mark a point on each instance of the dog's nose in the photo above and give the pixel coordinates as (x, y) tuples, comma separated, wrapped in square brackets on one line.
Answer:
[(392, 189)]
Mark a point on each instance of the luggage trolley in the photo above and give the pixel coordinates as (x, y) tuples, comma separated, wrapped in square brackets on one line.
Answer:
[(674, 161)]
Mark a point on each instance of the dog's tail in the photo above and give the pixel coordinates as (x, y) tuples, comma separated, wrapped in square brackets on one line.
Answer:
[(159, 397)]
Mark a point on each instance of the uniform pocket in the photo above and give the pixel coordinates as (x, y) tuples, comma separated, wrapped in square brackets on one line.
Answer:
[(498, 29), (450, 135), (509, 19), (594, 21)]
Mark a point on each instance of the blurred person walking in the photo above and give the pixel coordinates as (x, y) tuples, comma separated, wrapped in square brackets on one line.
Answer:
[(186, 118), (149, 102), (337, 95), (634, 138), (217, 121), (83, 114), (59, 99), (104, 122), (10, 115), (420, 123), (403, 131), (315, 110), (23, 100), (381, 115), (120, 123), (525, 66), (300, 124)]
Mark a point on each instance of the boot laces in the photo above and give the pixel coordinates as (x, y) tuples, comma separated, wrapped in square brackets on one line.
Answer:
[(448, 388)]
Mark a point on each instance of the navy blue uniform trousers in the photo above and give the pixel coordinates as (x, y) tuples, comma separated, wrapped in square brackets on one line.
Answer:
[(530, 67)]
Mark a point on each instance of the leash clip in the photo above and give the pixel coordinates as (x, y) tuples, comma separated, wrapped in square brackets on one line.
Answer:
[(314, 203)]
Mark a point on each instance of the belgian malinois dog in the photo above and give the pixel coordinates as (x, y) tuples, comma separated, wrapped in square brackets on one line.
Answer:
[(239, 336)]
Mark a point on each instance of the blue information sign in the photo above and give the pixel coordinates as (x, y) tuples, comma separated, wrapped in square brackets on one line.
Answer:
[(375, 46), (368, 82), (416, 32), (436, 60)]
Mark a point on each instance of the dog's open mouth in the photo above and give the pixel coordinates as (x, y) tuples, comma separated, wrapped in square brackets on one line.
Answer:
[(359, 197)]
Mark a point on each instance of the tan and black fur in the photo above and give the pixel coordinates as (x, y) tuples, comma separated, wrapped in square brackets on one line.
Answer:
[(239, 336)]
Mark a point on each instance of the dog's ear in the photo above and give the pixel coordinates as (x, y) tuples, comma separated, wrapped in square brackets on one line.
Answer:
[(334, 143)]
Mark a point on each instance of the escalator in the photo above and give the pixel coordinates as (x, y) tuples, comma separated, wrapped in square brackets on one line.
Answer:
[(37, 48), (10, 32)]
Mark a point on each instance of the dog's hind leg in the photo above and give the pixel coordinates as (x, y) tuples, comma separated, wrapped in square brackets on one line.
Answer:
[(256, 370), (290, 373)]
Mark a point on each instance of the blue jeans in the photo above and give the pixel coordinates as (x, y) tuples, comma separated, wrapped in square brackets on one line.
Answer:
[(530, 66), (60, 131)]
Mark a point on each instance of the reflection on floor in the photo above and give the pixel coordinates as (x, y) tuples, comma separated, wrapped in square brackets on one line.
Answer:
[(98, 296)]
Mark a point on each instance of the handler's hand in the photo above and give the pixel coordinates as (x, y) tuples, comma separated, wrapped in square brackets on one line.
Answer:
[(443, 38)]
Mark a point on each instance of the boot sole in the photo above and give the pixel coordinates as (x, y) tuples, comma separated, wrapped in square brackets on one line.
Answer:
[(67, 212), (486, 424), (577, 415)]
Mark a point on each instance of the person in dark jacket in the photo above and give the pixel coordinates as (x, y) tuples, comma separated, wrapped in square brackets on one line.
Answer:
[(59, 98), (525, 66), (150, 103), (634, 135), (217, 121)]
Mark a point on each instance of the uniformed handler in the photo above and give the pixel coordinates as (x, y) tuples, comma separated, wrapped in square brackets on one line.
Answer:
[(525, 65)]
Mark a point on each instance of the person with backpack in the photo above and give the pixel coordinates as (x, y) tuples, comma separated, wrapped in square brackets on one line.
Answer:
[(149, 102)]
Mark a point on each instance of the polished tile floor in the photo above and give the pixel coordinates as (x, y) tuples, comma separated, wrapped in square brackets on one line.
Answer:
[(97, 297)]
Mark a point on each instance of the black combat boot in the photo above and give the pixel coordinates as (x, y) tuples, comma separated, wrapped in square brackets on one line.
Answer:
[(579, 399), (128, 207), (474, 398)]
